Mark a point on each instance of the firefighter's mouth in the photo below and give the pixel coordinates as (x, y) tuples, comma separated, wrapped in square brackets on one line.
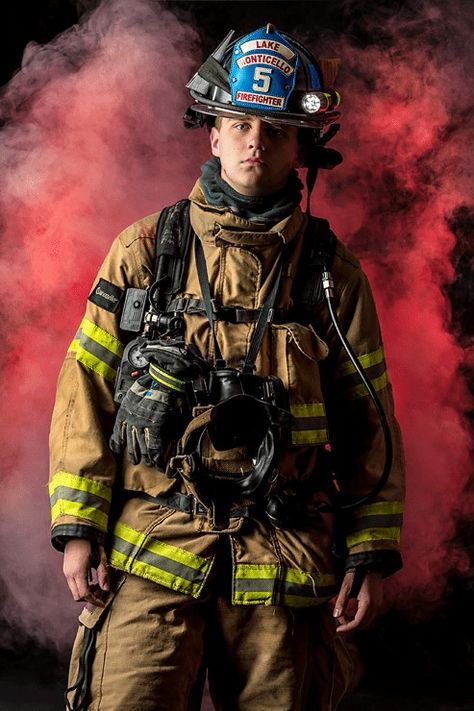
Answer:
[(254, 161)]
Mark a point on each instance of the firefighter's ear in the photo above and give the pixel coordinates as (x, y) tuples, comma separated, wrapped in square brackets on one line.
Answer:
[(300, 156), (214, 139)]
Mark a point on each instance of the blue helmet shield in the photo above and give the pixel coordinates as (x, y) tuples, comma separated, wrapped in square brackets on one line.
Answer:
[(269, 74), (263, 70)]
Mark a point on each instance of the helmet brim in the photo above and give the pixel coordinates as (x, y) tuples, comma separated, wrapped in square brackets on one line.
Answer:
[(283, 117)]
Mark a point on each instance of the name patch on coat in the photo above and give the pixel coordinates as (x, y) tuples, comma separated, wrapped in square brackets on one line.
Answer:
[(106, 295)]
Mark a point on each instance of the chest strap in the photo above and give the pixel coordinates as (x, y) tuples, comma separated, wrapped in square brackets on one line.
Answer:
[(265, 315), (187, 503), (230, 314)]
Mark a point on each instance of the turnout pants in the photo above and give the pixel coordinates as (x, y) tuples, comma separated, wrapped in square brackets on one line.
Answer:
[(153, 647)]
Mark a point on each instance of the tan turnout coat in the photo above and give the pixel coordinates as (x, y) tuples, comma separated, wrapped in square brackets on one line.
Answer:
[(273, 567)]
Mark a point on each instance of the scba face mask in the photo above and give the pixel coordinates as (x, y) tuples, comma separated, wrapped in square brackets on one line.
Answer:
[(267, 74)]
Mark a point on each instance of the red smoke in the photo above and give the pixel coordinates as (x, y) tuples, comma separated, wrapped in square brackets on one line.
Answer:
[(408, 121), (93, 140)]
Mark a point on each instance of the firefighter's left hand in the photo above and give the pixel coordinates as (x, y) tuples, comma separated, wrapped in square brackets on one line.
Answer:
[(359, 612)]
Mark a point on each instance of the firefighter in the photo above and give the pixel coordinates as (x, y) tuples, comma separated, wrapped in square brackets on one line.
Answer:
[(191, 486)]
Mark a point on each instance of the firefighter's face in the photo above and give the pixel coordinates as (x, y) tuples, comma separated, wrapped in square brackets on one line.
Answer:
[(256, 156)]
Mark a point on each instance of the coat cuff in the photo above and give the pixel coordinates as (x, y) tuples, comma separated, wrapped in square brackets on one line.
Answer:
[(385, 562), (64, 532)]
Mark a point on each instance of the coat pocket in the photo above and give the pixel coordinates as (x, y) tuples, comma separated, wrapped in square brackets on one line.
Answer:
[(297, 351)]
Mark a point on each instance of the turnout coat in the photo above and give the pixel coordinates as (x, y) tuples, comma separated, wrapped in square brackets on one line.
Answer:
[(107, 499)]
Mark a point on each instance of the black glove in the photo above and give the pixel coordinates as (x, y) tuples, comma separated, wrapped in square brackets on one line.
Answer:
[(154, 412), (148, 420)]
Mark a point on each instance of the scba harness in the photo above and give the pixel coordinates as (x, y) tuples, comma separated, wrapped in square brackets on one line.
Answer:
[(175, 405)]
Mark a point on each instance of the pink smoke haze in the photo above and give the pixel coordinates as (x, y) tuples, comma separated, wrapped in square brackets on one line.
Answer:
[(93, 141), (407, 169)]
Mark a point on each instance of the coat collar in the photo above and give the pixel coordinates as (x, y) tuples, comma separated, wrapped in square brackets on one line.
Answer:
[(214, 224)]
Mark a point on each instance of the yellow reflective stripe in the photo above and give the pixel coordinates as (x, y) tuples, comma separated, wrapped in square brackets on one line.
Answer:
[(293, 575), (89, 504), (251, 597), (366, 360), (63, 507), (165, 379), (102, 337), (129, 534), (309, 409), (302, 432), (378, 383), (94, 363), (379, 508), (309, 436), (261, 571), (80, 482), (151, 572), (165, 383), (246, 571), (267, 584), (154, 370), (255, 598), (119, 560), (91, 337), (145, 556), (259, 598), (191, 560), (373, 534)]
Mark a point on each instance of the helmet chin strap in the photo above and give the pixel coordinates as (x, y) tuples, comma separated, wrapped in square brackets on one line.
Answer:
[(311, 176), (318, 156)]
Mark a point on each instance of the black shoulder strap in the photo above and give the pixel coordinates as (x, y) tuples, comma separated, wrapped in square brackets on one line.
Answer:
[(319, 247), (173, 236)]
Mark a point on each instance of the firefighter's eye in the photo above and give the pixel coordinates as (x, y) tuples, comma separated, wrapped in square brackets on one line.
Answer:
[(275, 131)]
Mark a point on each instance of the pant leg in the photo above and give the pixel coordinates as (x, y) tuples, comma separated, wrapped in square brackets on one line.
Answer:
[(336, 665), (267, 658), (264, 658), (259, 658), (148, 650)]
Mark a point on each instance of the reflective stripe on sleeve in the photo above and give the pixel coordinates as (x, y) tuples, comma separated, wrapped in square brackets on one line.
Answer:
[(72, 495), (147, 557), (309, 424), (379, 521), (375, 368), (274, 585), (97, 350)]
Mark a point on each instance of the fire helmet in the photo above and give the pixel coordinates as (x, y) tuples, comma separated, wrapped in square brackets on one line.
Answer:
[(267, 74)]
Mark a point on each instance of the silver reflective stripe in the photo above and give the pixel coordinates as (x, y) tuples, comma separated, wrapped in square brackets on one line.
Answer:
[(158, 561), (99, 351), (80, 496), (379, 521), (272, 585)]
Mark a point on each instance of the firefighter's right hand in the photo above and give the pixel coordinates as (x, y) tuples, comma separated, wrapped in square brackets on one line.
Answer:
[(87, 578), (148, 419)]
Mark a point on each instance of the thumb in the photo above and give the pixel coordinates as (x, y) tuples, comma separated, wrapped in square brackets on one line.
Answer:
[(343, 596), (103, 576)]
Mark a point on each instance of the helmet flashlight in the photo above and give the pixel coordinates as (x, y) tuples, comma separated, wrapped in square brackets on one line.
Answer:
[(318, 101)]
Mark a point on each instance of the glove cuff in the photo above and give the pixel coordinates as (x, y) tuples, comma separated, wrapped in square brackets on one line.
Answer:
[(166, 380)]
